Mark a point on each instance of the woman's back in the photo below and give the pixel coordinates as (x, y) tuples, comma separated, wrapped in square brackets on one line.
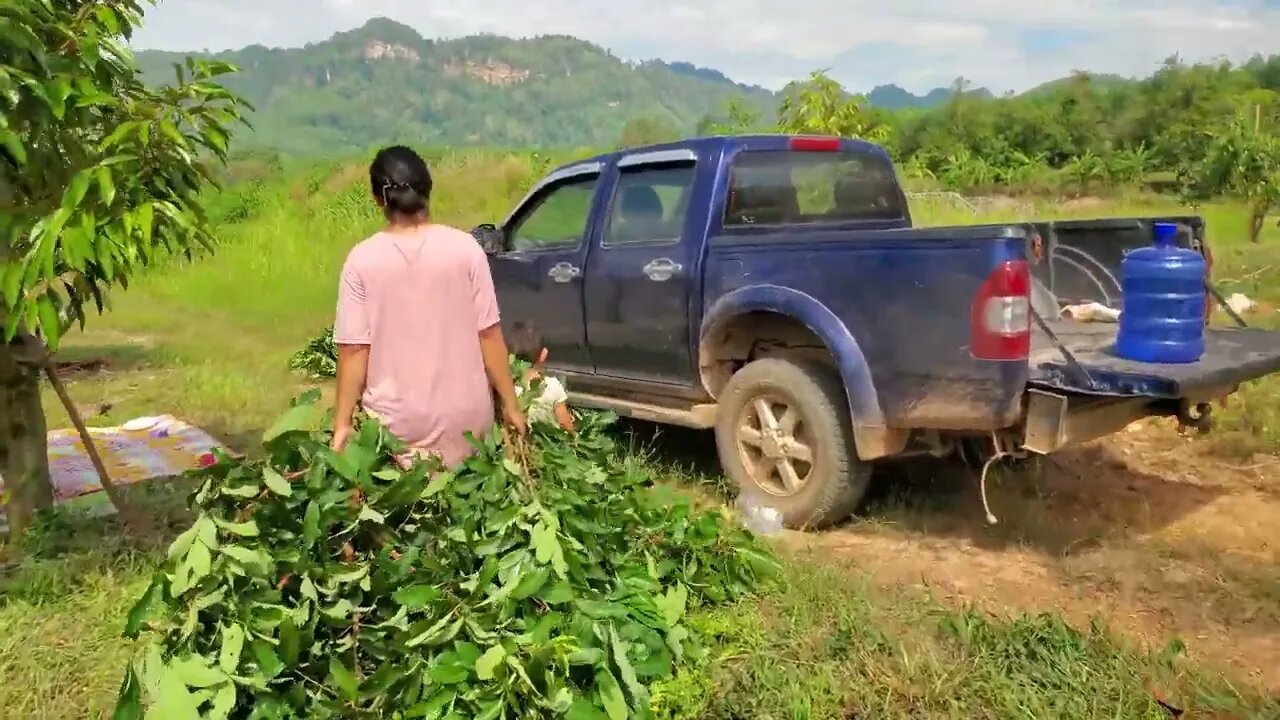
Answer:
[(418, 299)]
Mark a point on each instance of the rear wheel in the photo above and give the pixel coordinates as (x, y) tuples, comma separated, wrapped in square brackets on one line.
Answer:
[(785, 438)]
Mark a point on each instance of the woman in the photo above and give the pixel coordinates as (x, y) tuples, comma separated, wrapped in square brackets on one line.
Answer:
[(417, 327)]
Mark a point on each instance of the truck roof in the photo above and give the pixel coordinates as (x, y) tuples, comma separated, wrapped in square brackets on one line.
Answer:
[(712, 143)]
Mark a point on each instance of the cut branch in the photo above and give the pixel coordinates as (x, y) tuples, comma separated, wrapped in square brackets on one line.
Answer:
[(131, 517)]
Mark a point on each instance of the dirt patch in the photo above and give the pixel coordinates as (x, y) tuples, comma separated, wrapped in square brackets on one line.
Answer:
[(1143, 531)]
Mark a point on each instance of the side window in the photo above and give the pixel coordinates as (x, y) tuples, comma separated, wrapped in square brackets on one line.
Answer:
[(787, 187), (649, 205), (558, 219)]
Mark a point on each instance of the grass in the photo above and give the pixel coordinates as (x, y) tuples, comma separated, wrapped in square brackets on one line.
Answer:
[(210, 341)]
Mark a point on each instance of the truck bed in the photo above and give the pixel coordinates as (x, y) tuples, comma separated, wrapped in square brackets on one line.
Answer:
[(1231, 357)]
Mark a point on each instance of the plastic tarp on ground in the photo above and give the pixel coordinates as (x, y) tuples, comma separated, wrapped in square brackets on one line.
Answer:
[(141, 449)]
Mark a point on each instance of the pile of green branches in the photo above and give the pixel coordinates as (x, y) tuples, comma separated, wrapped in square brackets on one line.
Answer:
[(319, 359), (545, 577)]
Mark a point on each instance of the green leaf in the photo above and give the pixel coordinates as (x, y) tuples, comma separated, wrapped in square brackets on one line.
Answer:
[(531, 583), (138, 613), (311, 523), (547, 547), (232, 644), (106, 185), (196, 672), (224, 701), (437, 484), (276, 483), (368, 514), (489, 662), (491, 710), (174, 701), (443, 631), (129, 698), (449, 671), (416, 596), (240, 491), (251, 559), (585, 710), (672, 604), (76, 191), (268, 662), (290, 643), (300, 418), (611, 695), (200, 561), (246, 529), (343, 679), (50, 323), (625, 669), (13, 144)]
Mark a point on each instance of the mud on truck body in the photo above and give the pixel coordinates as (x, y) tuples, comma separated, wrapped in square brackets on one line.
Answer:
[(772, 288)]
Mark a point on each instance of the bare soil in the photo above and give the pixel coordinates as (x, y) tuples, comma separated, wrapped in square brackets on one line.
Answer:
[(1145, 531)]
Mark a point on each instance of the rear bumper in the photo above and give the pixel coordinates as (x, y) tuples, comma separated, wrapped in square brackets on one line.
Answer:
[(1054, 420)]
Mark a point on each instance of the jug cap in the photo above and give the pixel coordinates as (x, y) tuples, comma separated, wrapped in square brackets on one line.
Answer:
[(1165, 233)]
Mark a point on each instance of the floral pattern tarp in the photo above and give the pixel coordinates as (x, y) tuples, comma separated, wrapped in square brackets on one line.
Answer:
[(163, 448)]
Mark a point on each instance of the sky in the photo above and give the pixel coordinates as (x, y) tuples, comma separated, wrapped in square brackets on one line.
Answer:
[(1004, 45)]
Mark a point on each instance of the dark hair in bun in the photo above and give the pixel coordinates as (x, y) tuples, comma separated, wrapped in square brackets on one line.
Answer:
[(400, 179)]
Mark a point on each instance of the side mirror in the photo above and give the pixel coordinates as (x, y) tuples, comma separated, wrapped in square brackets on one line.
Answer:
[(491, 239)]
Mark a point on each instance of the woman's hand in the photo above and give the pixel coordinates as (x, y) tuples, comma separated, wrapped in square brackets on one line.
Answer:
[(341, 435), (513, 418)]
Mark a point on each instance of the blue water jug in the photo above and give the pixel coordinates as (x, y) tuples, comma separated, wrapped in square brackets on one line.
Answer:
[(1163, 294)]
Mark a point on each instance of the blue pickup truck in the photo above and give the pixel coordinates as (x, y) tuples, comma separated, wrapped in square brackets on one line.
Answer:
[(773, 288)]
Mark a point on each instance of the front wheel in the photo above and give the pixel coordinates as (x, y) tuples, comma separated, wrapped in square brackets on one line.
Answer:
[(785, 437)]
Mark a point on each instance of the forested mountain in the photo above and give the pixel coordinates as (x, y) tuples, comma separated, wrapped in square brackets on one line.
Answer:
[(384, 80)]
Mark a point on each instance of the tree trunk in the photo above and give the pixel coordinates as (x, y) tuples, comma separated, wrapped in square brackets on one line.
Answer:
[(24, 459), (1257, 218)]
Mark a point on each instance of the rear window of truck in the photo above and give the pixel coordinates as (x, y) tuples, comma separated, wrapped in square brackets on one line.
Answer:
[(788, 187)]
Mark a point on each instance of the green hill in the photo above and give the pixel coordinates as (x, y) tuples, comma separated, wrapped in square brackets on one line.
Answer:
[(385, 82)]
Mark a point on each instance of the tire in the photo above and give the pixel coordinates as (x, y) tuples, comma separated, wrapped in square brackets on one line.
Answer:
[(756, 460)]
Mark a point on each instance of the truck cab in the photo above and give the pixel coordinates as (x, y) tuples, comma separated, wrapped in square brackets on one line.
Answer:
[(772, 288)]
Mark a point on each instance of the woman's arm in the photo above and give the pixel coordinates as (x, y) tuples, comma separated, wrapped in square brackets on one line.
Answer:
[(353, 369), (493, 349), (352, 335)]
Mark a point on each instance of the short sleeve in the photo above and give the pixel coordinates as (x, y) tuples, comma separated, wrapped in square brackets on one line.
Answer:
[(553, 392), (352, 326), (484, 300)]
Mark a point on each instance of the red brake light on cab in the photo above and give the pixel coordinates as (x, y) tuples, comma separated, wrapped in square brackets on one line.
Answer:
[(814, 143)]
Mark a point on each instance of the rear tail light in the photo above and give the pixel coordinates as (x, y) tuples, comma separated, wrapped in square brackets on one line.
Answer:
[(809, 143), (1001, 314)]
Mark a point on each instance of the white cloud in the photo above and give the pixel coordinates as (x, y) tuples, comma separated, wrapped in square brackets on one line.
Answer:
[(919, 44)]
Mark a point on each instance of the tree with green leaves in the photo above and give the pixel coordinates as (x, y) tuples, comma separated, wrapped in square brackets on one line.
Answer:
[(1242, 161), (820, 106), (648, 131), (737, 118), (99, 176)]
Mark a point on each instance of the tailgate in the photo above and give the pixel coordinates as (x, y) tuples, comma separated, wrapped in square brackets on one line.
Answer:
[(1231, 357)]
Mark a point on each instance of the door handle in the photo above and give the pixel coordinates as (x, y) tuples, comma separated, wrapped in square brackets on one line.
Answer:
[(662, 269), (563, 272)]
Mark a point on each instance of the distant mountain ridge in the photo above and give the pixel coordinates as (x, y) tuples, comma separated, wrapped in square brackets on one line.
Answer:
[(385, 80), (892, 97)]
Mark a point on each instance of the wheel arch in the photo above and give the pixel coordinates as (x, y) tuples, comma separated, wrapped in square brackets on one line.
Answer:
[(736, 323)]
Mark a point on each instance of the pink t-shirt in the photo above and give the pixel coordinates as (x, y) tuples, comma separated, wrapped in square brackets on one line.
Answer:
[(419, 300)]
